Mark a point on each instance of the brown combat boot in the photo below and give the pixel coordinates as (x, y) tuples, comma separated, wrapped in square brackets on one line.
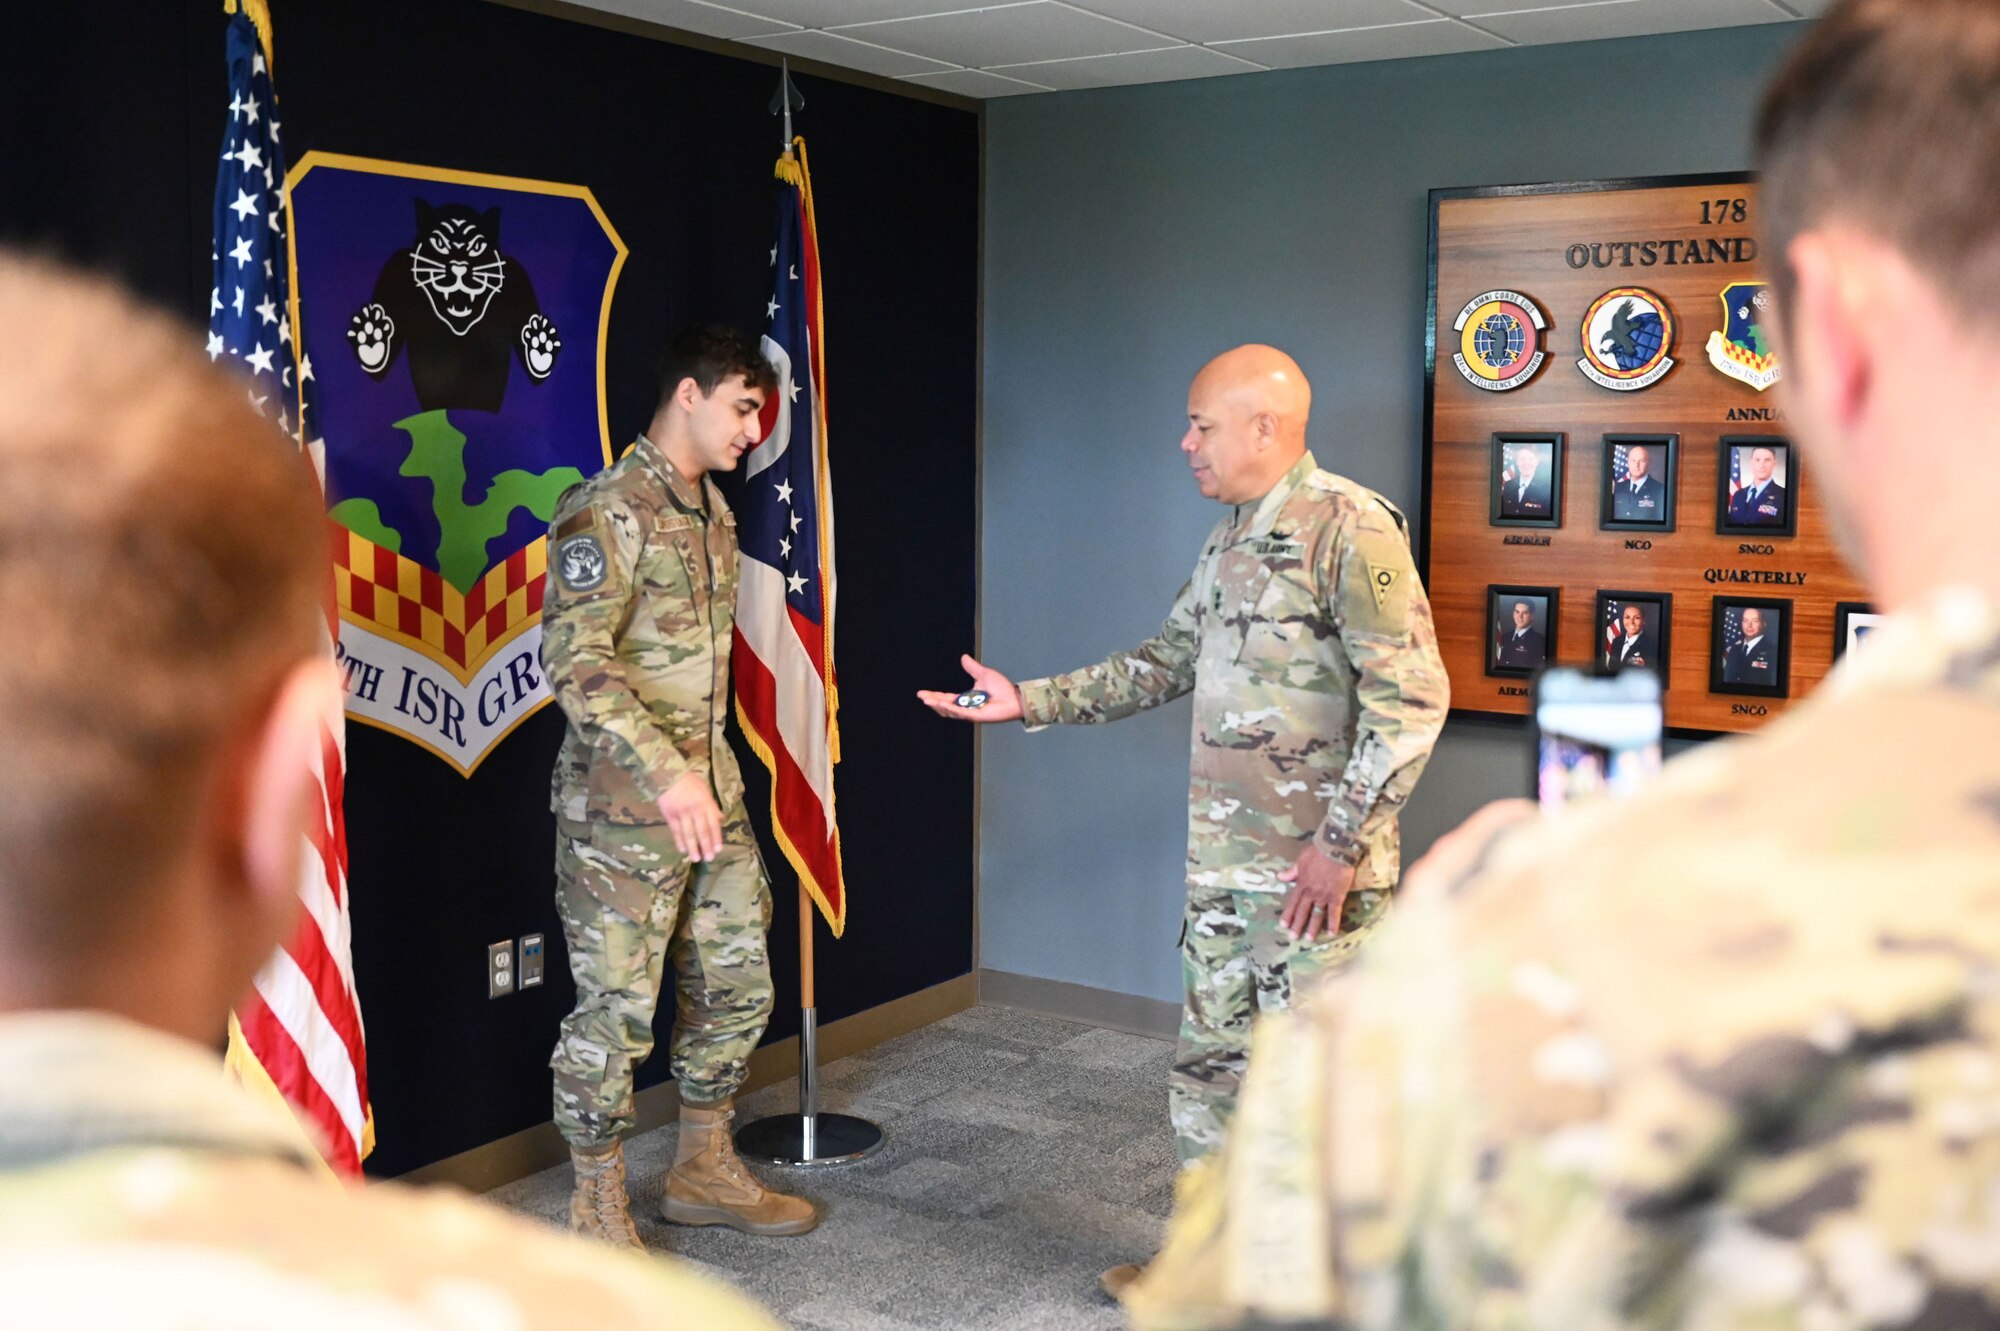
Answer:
[(710, 1185), (598, 1208)]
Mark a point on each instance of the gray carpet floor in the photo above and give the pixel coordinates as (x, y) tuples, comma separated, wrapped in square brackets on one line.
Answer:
[(1024, 1155)]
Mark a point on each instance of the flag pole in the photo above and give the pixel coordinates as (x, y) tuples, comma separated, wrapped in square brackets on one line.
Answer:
[(808, 1137)]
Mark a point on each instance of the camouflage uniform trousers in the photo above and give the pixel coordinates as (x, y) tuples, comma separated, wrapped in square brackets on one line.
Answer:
[(629, 902), (1237, 961)]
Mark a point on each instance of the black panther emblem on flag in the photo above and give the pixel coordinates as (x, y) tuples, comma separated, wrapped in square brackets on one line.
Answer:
[(459, 309), (455, 416)]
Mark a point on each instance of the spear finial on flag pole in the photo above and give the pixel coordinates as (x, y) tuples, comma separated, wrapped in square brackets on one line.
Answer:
[(786, 100)]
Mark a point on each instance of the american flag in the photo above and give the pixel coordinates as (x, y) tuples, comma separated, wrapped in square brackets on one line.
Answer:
[(300, 1032), (1732, 629), (1613, 630), (783, 652), (1618, 464), (1735, 471)]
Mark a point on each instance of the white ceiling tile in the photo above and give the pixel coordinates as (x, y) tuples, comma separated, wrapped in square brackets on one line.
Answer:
[(1108, 71), (1438, 37), (975, 83), (1459, 8), (1211, 21), (1045, 44), (1007, 34), (693, 16), (850, 54), (833, 13), (1627, 18)]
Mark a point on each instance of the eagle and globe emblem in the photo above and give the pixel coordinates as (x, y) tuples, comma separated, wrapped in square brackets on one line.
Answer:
[(1628, 338), (1499, 340)]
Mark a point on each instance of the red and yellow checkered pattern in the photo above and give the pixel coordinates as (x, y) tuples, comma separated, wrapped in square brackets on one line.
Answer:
[(399, 597)]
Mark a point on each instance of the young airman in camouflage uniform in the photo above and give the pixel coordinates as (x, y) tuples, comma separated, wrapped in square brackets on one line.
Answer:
[(1748, 1079), (1307, 641), (655, 860)]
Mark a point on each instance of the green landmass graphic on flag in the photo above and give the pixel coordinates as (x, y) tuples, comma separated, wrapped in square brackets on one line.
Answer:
[(437, 455)]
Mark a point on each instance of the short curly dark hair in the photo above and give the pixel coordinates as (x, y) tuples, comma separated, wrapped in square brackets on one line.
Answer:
[(710, 354)]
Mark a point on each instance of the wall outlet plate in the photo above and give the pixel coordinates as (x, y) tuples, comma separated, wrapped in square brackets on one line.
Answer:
[(500, 969), (531, 960)]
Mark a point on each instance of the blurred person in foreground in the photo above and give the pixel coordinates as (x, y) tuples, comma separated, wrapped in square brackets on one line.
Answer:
[(1752, 1080), (162, 684)]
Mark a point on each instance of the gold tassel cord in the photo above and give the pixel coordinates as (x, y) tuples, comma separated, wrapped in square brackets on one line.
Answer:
[(260, 18)]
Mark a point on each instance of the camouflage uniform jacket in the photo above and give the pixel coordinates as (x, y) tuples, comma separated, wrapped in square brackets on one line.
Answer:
[(636, 624), (139, 1188), (1724, 1055), (1307, 641)]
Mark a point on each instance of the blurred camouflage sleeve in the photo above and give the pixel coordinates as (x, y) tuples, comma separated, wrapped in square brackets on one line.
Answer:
[(1384, 619), (1158, 670), (585, 604)]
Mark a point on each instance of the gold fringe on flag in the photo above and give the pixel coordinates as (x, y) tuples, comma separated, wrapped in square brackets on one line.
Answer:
[(260, 17)]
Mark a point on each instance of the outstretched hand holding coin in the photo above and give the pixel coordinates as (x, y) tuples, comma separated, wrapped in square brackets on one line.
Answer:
[(990, 697)]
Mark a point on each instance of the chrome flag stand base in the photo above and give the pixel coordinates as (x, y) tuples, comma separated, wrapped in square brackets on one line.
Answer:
[(809, 1137)]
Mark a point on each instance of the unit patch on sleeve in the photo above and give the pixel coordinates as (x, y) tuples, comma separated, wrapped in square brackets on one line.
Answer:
[(580, 565), (1381, 579)]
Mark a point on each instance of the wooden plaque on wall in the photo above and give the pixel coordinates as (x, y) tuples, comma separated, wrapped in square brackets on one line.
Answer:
[(1642, 268)]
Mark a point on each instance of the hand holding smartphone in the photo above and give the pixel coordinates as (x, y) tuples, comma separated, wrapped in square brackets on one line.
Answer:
[(1595, 734)]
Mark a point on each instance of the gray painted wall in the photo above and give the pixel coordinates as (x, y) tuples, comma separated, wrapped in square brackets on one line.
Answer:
[(1131, 233)]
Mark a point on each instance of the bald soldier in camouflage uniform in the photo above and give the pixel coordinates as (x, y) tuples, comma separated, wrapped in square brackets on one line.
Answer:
[(1750, 1080), (1307, 642), (655, 860)]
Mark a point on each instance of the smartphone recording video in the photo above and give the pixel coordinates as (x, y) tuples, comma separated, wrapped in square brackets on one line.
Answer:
[(1594, 733)]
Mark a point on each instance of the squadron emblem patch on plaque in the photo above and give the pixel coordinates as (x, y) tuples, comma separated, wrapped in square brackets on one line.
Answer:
[(1628, 336), (1499, 340), (1741, 348)]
